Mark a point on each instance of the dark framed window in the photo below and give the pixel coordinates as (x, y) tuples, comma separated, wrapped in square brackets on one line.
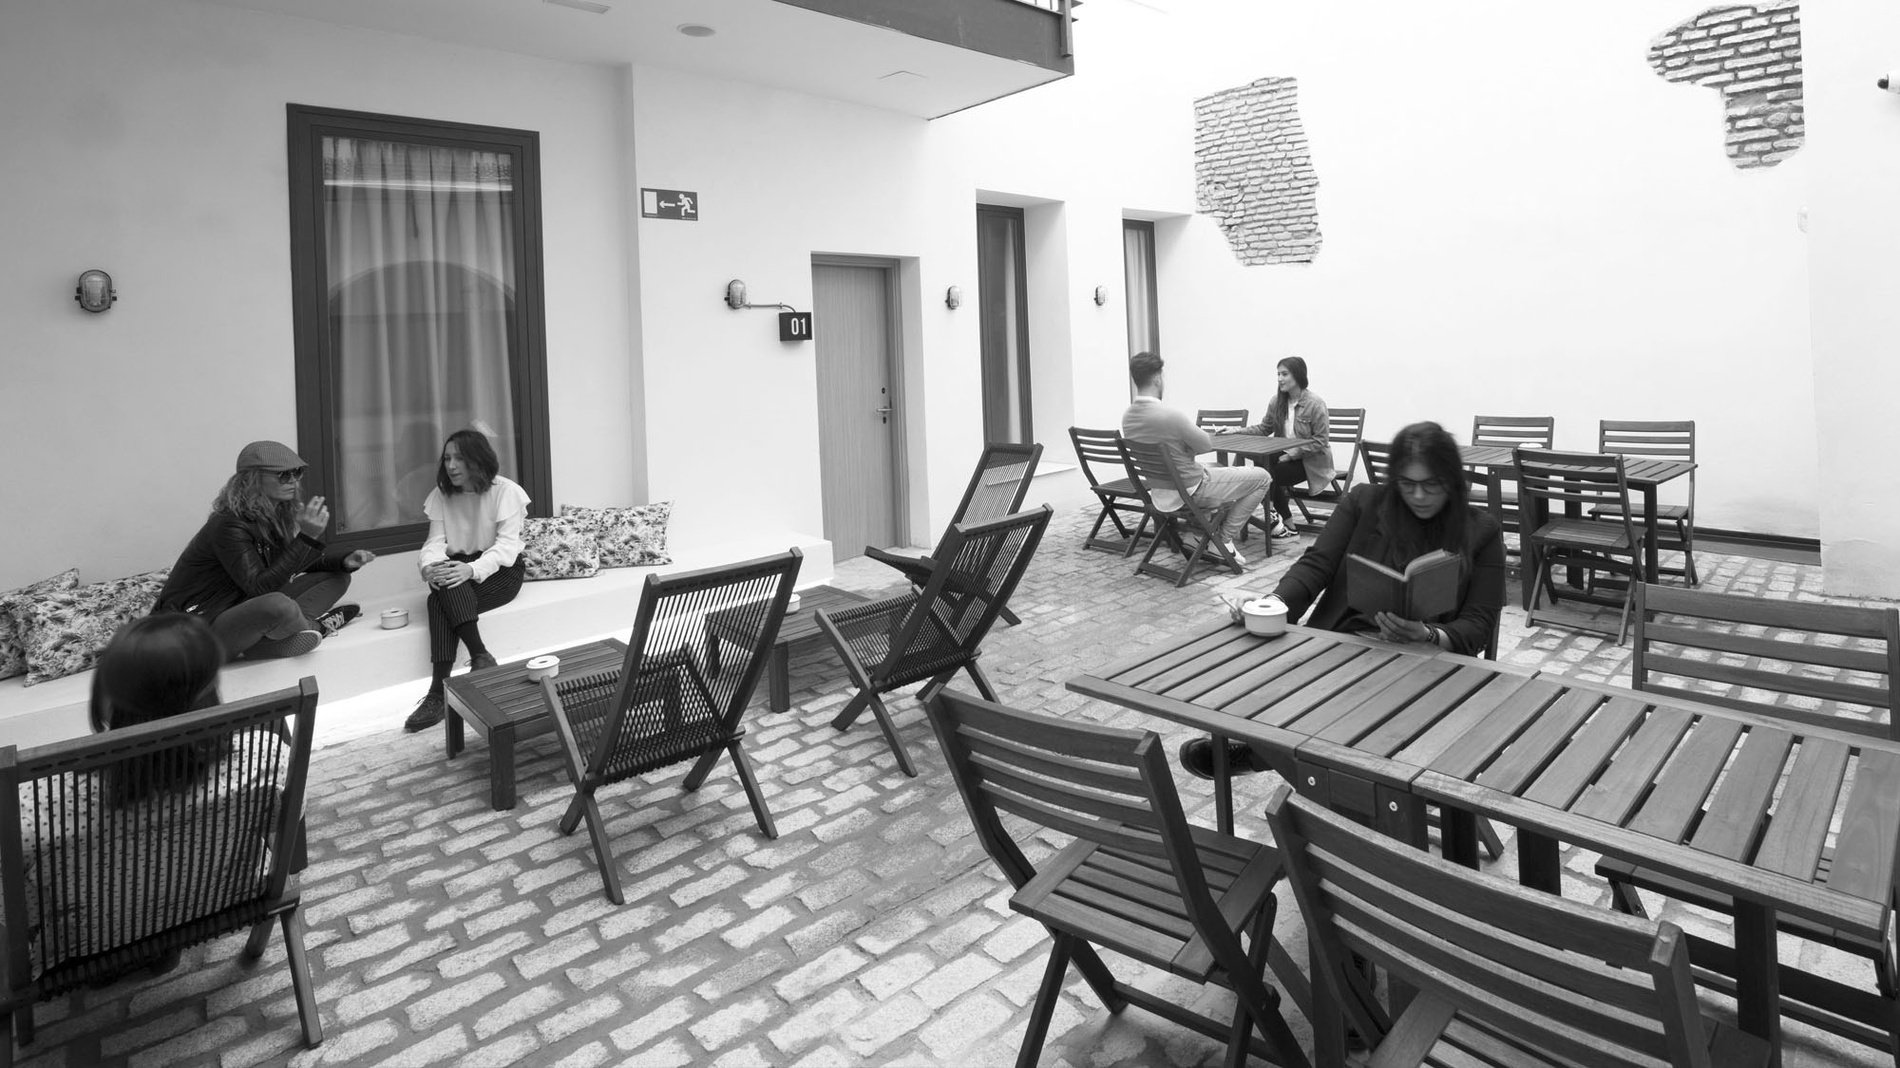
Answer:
[(1003, 300), (416, 278)]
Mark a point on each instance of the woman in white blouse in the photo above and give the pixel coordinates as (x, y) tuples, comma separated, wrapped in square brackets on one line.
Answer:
[(472, 560)]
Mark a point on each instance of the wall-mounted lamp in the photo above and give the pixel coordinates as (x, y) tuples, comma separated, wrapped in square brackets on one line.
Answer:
[(94, 291), (953, 297), (735, 295), (1101, 295)]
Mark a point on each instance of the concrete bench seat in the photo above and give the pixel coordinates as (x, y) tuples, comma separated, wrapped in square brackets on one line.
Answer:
[(363, 658)]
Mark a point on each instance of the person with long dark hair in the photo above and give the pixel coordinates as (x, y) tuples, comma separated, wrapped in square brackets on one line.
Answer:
[(471, 560), (258, 570), (1294, 412), (1422, 506)]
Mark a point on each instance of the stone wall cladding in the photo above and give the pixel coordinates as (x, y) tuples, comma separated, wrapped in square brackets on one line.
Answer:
[(1751, 53), (1254, 174)]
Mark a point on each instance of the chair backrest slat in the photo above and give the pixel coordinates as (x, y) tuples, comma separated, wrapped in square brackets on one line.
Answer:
[(1776, 658), (1585, 479), (1666, 440), (1152, 468), (1095, 448), (1575, 982), (119, 846), (1514, 431), (1209, 418), (1377, 456)]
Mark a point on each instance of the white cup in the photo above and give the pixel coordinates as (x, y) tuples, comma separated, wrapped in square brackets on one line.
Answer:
[(1265, 616), (395, 618), (792, 605), (544, 667)]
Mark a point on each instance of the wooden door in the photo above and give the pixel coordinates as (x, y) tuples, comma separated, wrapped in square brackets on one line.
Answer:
[(853, 326)]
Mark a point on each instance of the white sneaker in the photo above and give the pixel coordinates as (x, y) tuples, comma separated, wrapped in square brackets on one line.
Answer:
[(1234, 551), (1280, 531)]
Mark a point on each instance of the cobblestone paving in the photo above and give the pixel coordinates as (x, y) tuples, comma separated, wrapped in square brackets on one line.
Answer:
[(873, 931)]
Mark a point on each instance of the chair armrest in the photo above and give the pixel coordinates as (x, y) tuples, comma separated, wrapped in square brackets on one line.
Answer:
[(915, 568)]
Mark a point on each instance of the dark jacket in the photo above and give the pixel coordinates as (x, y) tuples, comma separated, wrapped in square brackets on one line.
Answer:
[(1358, 526), (229, 561)]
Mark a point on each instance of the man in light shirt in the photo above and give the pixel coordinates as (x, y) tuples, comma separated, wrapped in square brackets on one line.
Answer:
[(1149, 420)]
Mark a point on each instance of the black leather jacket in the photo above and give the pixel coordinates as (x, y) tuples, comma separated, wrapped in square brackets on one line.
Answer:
[(229, 561)]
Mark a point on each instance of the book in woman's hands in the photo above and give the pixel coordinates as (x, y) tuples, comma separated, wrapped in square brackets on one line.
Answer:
[(1426, 589)]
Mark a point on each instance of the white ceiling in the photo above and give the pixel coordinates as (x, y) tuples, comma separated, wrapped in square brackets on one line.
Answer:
[(758, 41)]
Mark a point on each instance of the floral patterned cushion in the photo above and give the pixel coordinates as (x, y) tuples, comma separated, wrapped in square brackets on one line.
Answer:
[(68, 629), (558, 547), (629, 537), (13, 618)]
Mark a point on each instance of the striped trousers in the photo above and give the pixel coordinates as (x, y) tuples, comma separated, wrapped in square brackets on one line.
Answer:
[(450, 608)]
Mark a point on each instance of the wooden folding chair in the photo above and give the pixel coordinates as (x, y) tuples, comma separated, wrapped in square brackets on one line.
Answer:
[(996, 489), (1559, 490), (119, 848), (1345, 428), (1504, 976), (929, 635), (1816, 664), (1112, 486), (1511, 432), (679, 695), (1134, 877), (1151, 469), (1662, 440), (1211, 419)]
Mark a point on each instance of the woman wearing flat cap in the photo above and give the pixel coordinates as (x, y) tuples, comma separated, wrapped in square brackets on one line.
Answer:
[(257, 571)]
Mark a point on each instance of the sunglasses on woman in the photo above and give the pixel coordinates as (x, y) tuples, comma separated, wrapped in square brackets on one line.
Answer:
[(295, 474)]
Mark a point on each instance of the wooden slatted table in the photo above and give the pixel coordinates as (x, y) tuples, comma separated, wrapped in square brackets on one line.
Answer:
[(1738, 803), (504, 706)]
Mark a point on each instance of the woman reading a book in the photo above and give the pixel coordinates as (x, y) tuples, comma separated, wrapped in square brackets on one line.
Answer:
[(1419, 518)]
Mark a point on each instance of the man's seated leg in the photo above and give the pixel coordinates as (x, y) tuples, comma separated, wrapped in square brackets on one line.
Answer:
[(1246, 487)]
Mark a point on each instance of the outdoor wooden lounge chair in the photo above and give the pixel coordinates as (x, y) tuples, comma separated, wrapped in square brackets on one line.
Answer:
[(1646, 439), (1134, 878), (1107, 473), (1504, 975), (680, 694), (1345, 427), (996, 489), (929, 635), (1559, 491), (1151, 469), (1211, 419), (1824, 665), (121, 848)]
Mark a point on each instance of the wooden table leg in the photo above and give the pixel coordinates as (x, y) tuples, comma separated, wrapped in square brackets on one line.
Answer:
[(1223, 786), (1538, 864), (1758, 975), (1652, 556), (452, 732), (778, 674), (1401, 814), (1458, 836), (501, 767)]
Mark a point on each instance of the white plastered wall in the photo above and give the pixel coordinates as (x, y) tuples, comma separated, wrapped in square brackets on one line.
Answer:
[(147, 138), (1519, 217)]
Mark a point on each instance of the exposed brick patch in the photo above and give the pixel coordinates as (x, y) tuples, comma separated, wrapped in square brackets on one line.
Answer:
[(1751, 54), (1254, 174)]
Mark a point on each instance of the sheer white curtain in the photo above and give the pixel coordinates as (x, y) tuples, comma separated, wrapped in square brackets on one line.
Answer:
[(420, 245)]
